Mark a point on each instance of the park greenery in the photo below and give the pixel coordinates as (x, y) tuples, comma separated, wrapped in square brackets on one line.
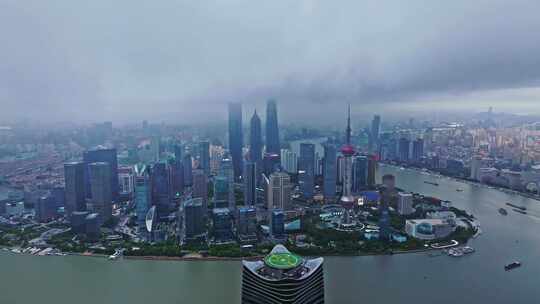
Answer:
[(169, 249), (10, 236)]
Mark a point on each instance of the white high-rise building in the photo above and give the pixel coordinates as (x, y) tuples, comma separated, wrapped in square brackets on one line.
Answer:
[(476, 164), (126, 180), (278, 191), (289, 161), (227, 171), (405, 203), (154, 147), (216, 155)]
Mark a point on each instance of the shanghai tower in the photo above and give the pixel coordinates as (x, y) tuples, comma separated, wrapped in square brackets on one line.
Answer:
[(235, 138), (272, 132)]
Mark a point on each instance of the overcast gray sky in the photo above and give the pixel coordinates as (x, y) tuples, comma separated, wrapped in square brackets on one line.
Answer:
[(71, 60)]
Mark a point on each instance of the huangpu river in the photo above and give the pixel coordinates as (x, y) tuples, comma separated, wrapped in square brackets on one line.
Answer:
[(403, 278)]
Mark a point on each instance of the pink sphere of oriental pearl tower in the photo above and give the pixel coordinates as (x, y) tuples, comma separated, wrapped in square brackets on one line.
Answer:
[(348, 152)]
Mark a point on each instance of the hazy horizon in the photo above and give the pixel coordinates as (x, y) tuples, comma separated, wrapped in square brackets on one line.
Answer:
[(66, 61)]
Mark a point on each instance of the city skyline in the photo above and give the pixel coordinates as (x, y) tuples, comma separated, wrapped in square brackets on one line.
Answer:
[(345, 193), (269, 152)]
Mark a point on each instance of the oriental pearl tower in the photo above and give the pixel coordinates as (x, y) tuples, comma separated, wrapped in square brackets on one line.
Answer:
[(348, 152)]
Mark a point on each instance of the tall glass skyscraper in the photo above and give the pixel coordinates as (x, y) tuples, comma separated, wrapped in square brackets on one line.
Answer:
[(160, 189), (247, 224), (107, 156), (277, 222), (375, 131), (256, 145), (221, 218), (200, 187), (372, 171), (250, 184), (255, 140), (178, 152), (204, 152), (75, 189), (193, 218), (418, 150), (100, 183), (227, 172), (306, 169), (236, 138), (329, 172), (404, 149), (359, 173), (221, 192), (188, 170), (177, 170), (143, 196), (272, 130)]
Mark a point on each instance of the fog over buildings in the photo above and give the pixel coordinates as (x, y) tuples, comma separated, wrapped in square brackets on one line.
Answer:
[(171, 60)]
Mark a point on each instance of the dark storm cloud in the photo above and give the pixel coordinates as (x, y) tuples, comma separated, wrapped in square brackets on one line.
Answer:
[(125, 60)]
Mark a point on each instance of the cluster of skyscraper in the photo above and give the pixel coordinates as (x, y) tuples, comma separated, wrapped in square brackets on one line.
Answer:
[(255, 155), (92, 185), (91, 188), (259, 170), (353, 171), (177, 190)]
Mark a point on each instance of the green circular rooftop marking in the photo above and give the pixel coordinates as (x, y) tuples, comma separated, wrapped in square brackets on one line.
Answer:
[(282, 260)]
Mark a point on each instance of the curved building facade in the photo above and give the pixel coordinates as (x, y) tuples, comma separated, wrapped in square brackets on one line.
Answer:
[(283, 277)]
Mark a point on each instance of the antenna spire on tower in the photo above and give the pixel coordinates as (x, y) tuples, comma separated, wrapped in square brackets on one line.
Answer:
[(349, 125)]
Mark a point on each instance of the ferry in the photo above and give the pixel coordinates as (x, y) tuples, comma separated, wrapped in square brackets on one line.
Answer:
[(455, 253), (117, 253), (460, 251), (519, 211), (512, 265), (503, 211), (467, 250), (431, 183), (516, 206), (113, 257), (459, 190)]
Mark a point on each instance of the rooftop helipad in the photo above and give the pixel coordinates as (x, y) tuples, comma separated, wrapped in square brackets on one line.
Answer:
[(282, 260)]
